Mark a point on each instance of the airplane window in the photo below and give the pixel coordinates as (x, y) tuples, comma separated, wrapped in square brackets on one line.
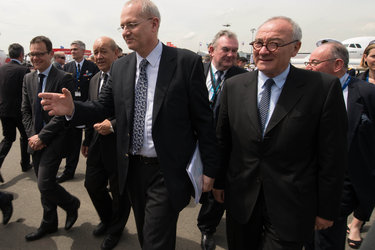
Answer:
[(346, 45), (358, 45), (352, 45)]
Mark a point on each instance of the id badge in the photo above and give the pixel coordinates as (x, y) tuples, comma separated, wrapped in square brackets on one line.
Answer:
[(77, 93)]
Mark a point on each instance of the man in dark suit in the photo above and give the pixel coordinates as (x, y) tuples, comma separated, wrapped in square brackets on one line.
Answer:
[(11, 78), (82, 71), (47, 137), (159, 99), (223, 52), (282, 138), (99, 147), (359, 185)]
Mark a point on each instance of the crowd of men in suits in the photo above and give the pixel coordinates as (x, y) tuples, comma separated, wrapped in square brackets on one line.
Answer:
[(284, 150)]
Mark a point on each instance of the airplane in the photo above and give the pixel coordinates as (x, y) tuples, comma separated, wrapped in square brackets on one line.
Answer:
[(226, 25), (355, 46)]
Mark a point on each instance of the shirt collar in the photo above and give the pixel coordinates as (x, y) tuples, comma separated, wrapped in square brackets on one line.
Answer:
[(214, 70), (153, 57), (15, 60), (46, 72), (80, 63), (279, 80), (343, 79)]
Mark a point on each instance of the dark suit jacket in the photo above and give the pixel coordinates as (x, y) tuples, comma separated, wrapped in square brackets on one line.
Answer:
[(300, 163), (101, 147), (89, 69), (234, 70), (181, 115), (11, 78), (54, 130), (361, 138), (57, 65)]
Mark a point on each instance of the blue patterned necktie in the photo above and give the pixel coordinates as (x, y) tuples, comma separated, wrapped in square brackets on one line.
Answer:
[(140, 105), (264, 104), (38, 107)]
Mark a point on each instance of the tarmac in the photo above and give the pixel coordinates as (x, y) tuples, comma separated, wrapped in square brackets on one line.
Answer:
[(27, 215)]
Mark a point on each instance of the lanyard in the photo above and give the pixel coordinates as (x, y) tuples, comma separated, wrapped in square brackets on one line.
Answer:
[(214, 90), (346, 83)]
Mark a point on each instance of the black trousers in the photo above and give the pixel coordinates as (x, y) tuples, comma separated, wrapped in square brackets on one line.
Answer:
[(113, 209), (155, 218), (74, 137), (10, 124), (210, 214), (46, 165), (334, 237), (257, 233)]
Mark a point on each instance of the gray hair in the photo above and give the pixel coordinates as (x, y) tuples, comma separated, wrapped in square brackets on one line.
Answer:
[(221, 33), (339, 51), (79, 43), (296, 29), (149, 9)]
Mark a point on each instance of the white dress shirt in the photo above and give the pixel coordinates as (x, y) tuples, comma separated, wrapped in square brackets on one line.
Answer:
[(275, 90), (152, 69), (213, 71)]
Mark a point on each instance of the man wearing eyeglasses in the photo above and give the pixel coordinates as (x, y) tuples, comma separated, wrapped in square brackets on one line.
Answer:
[(159, 98), (359, 186), (282, 139), (47, 137), (223, 53), (59, 59)]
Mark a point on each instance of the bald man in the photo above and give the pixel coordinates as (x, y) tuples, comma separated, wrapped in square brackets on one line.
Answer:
[(359, 186), (99, 147)]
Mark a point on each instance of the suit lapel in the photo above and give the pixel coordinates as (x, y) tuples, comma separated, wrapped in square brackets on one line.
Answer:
[(355, 109), (251, 100), (167, 68), (94, 91), (290, 94), (128, 83), (50, 84)]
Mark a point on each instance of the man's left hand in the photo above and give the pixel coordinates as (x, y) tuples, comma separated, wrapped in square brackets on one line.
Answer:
[(321, 223), (35, 143), (208, 183), (103, 128)]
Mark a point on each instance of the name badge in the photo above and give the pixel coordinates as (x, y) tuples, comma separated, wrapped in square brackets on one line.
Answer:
[(77, 93)]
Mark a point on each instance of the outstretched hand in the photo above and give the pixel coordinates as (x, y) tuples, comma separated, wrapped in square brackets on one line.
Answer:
[(58, 104)]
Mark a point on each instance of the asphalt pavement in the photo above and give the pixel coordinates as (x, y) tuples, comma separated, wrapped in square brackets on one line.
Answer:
[(27, 215)]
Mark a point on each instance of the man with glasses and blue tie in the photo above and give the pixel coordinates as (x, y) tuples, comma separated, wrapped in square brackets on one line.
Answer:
[(282, 139), (159, 98)]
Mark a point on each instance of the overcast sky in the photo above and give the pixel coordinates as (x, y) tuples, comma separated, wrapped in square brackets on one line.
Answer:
[(184, 23)]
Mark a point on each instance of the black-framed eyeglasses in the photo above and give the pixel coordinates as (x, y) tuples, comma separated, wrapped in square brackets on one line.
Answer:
[(37, 54), (62, 57), (317, 62), (271, 46), (132, 25)]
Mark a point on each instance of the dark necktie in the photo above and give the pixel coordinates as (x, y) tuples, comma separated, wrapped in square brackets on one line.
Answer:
[(218, 79), (38, 107), (264, 104), (140, 104), (78, 71)]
